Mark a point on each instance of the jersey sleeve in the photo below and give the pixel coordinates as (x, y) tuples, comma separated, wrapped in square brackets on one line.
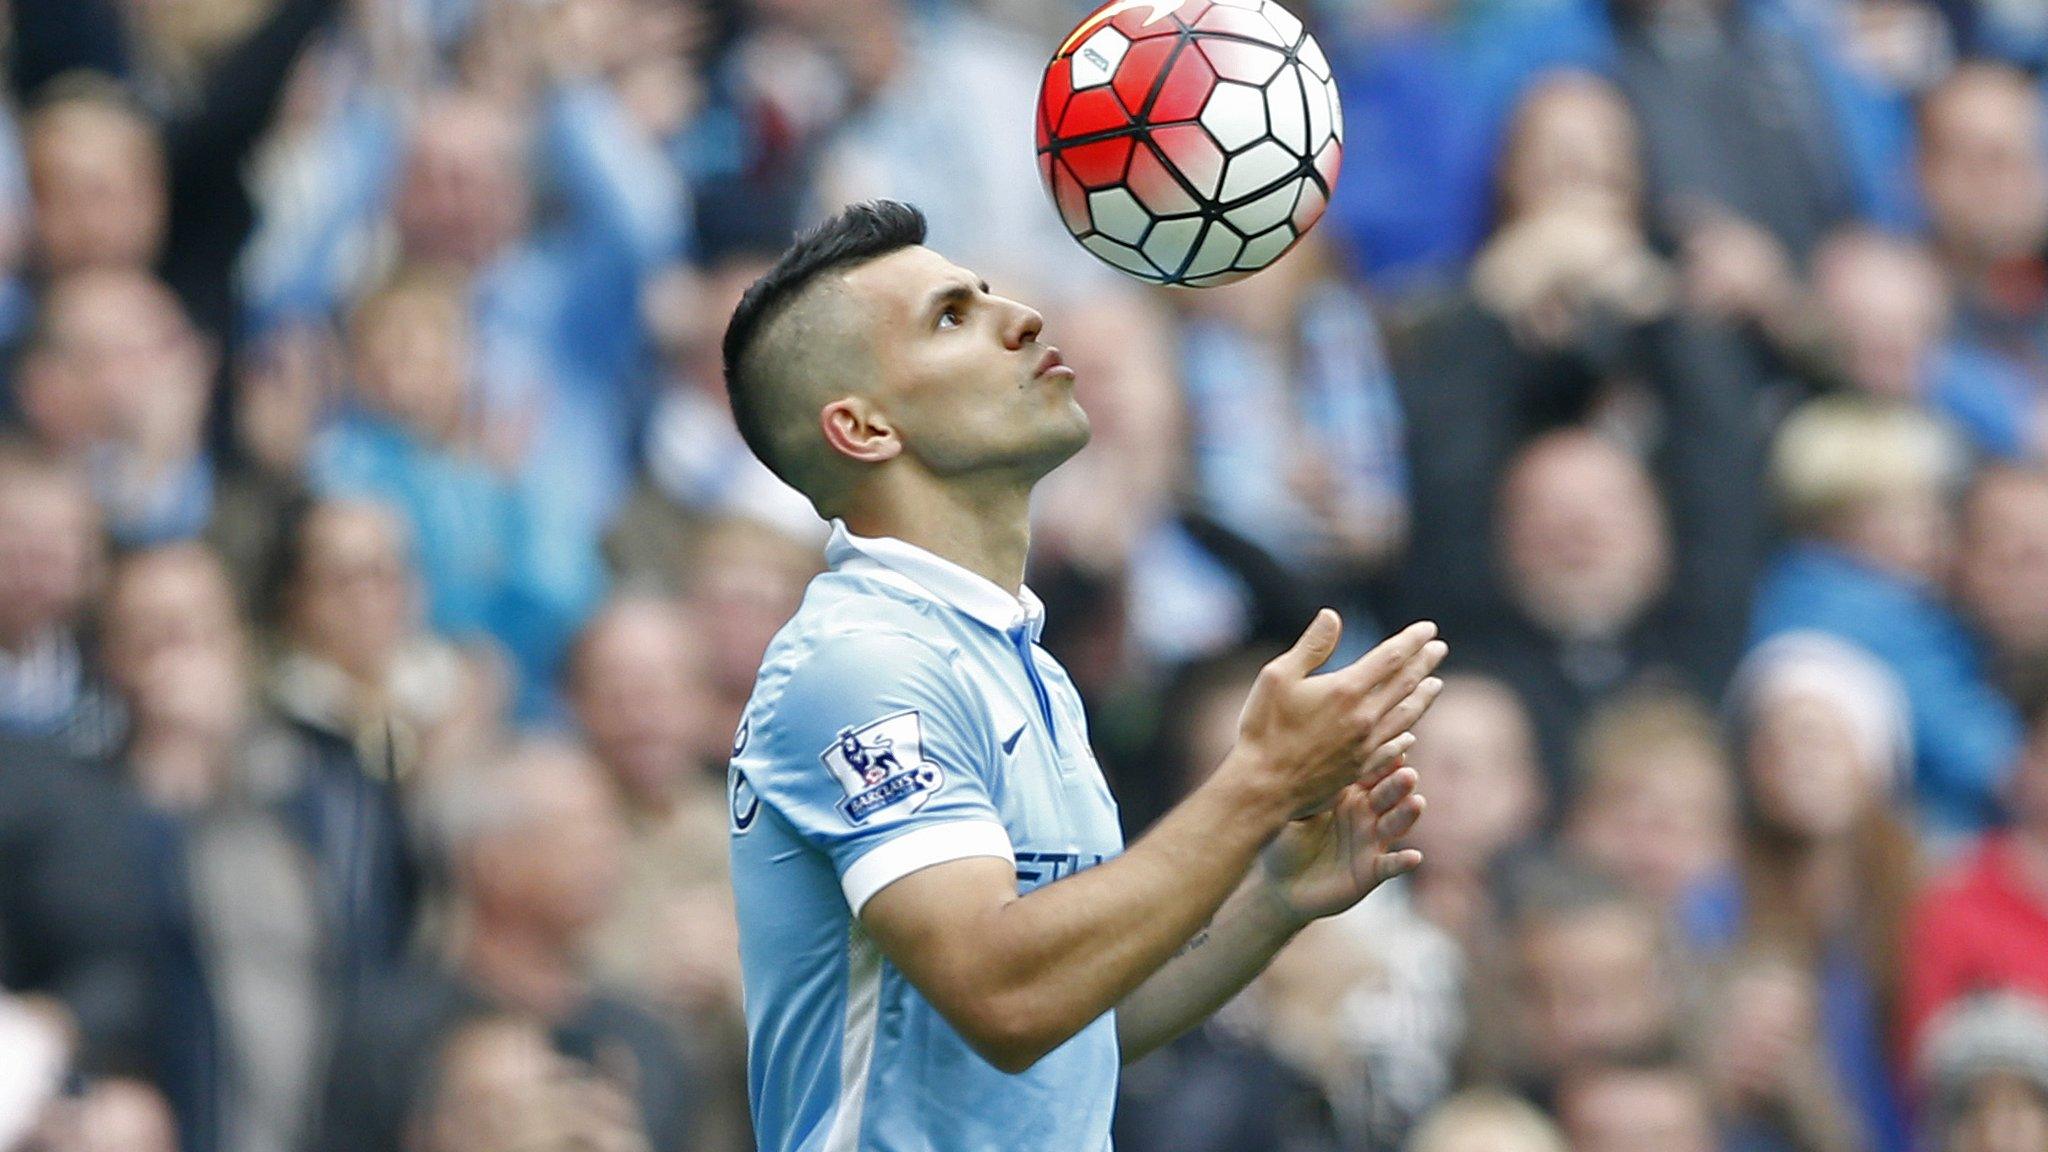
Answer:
[(879, 756)]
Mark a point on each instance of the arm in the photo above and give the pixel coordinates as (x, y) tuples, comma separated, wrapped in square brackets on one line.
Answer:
[(1018, 976), (1317, 867)]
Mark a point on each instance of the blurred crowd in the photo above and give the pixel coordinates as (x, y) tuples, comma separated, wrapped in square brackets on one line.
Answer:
[(382, 577)]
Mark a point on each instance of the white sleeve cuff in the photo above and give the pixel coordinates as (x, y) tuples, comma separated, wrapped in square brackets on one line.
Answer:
[(919, 849)]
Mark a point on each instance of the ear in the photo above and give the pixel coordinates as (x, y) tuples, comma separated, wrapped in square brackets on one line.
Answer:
[(856, 431)]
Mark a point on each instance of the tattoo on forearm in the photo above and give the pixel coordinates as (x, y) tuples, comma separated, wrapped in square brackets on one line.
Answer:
[(1196, 941)]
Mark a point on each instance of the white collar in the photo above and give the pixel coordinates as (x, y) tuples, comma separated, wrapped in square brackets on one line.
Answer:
[(934, 577)]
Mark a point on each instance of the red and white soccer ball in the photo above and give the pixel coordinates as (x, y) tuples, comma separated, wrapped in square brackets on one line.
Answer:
[(1189, 141)]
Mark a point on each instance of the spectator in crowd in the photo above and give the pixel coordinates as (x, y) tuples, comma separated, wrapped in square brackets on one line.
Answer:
[(1585, 554), (73, 981), (1864, 489), (279, 877), (534, 841), (1478, 745), (1823, 736), (1293, 425), (50, 542), (499, 1086), (902, 135), (2002, 572), (355, 669), (743, 580), (1749, 161), (1654, 804), (695, 467), (1983, 925), (1984, 176), (1767, 1065), (1485, 1120), (1572, 318), (488, 561), (1130, 585), (117, 380), (1586, 977), (110, 1116), (117, 184), (1626, 1107), (1885, 304), (1985, 1071), (552, 300), (636, 685)]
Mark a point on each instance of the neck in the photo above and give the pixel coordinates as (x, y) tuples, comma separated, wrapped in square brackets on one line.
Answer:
[(521, 967), (989, 534)]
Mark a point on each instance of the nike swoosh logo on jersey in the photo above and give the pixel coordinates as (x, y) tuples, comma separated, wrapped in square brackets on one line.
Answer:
[(1010, 741)]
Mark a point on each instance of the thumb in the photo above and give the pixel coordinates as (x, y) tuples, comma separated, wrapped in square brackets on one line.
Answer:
[(1315, 646)]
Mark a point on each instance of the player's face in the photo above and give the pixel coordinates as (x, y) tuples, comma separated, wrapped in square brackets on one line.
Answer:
[(961, 372)]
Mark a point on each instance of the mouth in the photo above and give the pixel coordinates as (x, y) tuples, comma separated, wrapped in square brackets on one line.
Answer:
[(1052, 364)]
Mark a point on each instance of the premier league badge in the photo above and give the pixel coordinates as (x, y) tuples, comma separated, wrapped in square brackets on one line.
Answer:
[(882, 765)]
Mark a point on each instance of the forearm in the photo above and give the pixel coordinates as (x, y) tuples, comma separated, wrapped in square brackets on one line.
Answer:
[(1215, 965), (1038, 969)]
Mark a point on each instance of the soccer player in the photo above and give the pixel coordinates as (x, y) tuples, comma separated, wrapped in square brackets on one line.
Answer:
[(946, 946)]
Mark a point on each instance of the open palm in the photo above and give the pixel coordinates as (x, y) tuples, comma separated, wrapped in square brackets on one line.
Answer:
[(1325, 863)]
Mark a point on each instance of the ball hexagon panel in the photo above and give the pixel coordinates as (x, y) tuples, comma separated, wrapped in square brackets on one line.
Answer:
[(1171, 241), (1284, 23), (1118, 215), (1141, 69), (1100, 163), (1256, 168), (1266, 211), (1095, 62), (1053, 95), (1234, 22), (1070, 198), (1235, 115), (1123, 256), (1186, 89), (1287, 105), (1155, 185), (1310, 209), (1218, 251), (1266, 247), (1193, 153), (1321, 126), (1093, 111), (1240, 61), (1311, 54)]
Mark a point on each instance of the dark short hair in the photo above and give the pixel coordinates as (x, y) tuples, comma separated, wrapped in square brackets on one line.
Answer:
[(858, 234)]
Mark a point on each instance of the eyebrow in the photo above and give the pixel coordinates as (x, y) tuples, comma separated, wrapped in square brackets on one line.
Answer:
[(954, 293)]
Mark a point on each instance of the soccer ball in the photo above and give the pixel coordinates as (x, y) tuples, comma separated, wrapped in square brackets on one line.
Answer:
[(1189, 141)]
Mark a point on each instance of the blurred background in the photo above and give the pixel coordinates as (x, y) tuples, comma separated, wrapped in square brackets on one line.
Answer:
[(381, 576)]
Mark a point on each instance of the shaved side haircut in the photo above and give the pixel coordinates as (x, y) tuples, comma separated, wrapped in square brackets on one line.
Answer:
[(764, 366)]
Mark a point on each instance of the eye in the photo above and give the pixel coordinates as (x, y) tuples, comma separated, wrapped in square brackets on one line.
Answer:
[(950, 317)]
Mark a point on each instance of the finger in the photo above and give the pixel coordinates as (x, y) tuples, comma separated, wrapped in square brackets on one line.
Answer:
[(1388, 865), (1401, 820), (1385, 758), (1405, 715), (1391, 791), (1314, 647), (1402, 681), (1390, 654)]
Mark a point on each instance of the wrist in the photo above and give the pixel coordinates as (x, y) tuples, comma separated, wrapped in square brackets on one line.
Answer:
[(1253, 791)]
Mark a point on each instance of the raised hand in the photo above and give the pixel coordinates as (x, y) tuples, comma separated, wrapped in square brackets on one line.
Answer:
[(1310, 737), (1324, 864)]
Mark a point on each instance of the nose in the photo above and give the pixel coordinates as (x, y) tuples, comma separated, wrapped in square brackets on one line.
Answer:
[(1025, 325)]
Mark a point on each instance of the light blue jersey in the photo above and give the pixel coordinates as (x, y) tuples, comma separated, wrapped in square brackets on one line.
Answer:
[(904, 718)]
